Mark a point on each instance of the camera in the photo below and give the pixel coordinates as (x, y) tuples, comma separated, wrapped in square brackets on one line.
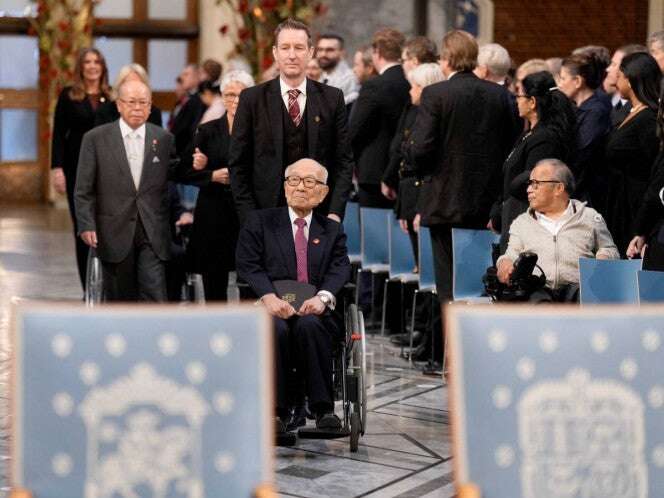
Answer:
[(522, 281)]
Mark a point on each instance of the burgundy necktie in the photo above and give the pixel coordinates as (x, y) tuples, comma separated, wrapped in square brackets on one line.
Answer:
[(301, 250), (294, 106)]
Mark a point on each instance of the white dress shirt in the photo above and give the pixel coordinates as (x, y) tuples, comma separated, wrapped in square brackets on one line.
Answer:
[(293, 216), (301, 99), (554, 226), (134, 142)]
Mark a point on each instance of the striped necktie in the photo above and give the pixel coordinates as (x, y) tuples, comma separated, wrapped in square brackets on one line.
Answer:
[(294, 106)]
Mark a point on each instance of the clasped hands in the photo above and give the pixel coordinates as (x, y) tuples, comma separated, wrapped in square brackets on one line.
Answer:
[(220, 175), (276, 306)]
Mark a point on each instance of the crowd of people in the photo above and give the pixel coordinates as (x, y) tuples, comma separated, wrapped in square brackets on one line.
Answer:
[(562, 157)]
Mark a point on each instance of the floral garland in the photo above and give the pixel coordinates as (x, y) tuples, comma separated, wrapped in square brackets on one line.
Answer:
[(256, 21), (63, 27)]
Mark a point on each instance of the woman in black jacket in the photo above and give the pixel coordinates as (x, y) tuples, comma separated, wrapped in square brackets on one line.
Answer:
[(211, 249), (550, 121), (632, 147), (75, 116)]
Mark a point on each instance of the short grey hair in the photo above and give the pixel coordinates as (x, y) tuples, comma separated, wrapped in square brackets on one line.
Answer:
[(561, 173), (125, 71), (656, 37), (426, 74), (236, 75), (322, 168), (125, 82), (496, 58)]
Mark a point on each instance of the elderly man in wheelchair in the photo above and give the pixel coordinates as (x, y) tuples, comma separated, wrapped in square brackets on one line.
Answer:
[(295, 261)]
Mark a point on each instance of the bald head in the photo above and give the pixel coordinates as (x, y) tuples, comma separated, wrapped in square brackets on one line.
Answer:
[(134, 102)]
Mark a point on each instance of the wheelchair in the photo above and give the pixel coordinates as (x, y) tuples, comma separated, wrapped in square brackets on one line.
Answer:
[(349, 383)]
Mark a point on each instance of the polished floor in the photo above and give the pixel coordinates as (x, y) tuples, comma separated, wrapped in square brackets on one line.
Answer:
[(406, 451)]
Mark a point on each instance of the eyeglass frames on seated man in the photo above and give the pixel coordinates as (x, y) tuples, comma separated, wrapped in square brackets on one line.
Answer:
[(309, 181), (536, 183)]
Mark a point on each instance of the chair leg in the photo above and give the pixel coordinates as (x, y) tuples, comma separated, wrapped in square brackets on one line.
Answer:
[(357, 286), (384, 310), (412, 328)]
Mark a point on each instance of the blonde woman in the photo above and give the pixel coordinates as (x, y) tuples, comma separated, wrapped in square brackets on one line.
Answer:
[(107, 112)]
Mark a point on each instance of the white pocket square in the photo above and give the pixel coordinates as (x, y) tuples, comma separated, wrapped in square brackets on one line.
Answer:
[(155, 159)]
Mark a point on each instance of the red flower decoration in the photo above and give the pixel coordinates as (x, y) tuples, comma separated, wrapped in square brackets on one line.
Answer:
[(224, 29), (266, 63), (269, 4), (244, 34), (243, 6), (63, 25)]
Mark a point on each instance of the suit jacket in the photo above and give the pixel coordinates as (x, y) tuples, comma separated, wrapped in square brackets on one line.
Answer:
[(107, 200), (257, 146), (266, 252), (374, 122), (462, 134), (185, 122)]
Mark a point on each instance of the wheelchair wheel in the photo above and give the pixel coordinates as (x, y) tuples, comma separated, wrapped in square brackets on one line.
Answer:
[(355, 428), (94, 290), (359, 368)]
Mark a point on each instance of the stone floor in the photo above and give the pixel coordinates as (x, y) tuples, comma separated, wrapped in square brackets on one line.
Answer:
[(406, 451)]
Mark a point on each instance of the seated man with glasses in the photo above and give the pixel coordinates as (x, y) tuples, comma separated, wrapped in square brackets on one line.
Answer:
[(559, 230), (295, 243)]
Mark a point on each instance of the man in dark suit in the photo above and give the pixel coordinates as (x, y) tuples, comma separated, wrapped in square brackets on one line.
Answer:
[(121, 197), (460, 140), (187, 114), (295, 243), (284, 120), (376, 114)]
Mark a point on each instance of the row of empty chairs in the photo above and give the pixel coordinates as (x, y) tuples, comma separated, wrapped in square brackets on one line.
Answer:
[(619, 282)]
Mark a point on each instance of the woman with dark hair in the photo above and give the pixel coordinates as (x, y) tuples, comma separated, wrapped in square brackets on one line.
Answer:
[(581, 75), (74, 116), (632, 147), (550, 125)]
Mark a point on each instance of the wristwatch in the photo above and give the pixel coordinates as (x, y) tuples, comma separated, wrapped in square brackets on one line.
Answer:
[(325, 299)]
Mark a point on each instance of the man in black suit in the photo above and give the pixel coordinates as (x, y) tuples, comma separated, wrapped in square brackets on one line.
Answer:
[(122, 204), (187, 114), (620, 107), (295, 243), (376, 114), (460, 140), (284, 120)]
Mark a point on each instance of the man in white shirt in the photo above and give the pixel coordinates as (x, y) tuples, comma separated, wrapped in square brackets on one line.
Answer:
[(121, 197), (559, 230), (336, 72)]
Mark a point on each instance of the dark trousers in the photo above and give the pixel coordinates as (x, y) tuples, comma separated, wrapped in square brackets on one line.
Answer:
[(82, 248), (441, 244), (563, 294), (306, 344), (215, 283), (141, 276)]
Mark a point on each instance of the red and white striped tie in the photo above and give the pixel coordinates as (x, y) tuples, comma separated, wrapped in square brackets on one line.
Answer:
[(294, 106)]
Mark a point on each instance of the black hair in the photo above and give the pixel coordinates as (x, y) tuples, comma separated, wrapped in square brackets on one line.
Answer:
[(209, 86), (644, 75), (333, 36), (587, 65), (554, 110)]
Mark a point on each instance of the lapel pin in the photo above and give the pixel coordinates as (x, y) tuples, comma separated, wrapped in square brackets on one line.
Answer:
[(316, 241), (154, 146), (155, 159), (317, 119)]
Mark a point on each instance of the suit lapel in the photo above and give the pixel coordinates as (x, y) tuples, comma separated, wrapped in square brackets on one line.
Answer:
[(284, 234), (315, 248), (275, 117), (312, 111), (118, 149)]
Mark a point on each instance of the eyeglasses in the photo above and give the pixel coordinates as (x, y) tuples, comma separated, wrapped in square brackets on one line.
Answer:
[(134, 103), (522, 95), (230, 97), (309, 182), (536, 183)]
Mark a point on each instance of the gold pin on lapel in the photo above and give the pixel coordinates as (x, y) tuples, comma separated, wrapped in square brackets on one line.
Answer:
[(317, 119), (316, 241)]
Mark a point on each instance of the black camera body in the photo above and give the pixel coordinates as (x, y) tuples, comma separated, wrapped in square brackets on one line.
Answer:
[(522, 281)]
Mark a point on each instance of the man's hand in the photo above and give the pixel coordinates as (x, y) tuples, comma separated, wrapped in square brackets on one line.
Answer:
[(221, 175), (277, 307), (186, 218), (637, 247), (489, 226), (200, 159), (388, 191), (416, 222), (312, 306), (334, 217), (403, 224), (90, 238), (58, 179), (505, 270)]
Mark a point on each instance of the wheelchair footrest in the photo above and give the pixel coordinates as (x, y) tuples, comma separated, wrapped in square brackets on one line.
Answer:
[(314, 433), (286, 439)]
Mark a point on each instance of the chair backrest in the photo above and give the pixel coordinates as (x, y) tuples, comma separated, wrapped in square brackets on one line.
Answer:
[(374, 237), (608, 280), (651, 286), (402, 260), (471, 254), (427, 275), (352, 231)]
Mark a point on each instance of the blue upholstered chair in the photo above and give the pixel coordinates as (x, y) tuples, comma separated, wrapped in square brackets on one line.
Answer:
[(651, 286), (608, 280)]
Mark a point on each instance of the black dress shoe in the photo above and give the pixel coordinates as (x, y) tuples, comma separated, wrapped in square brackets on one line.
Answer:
[(328, 421), (279, 426), (297, 419), (404, 339)]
